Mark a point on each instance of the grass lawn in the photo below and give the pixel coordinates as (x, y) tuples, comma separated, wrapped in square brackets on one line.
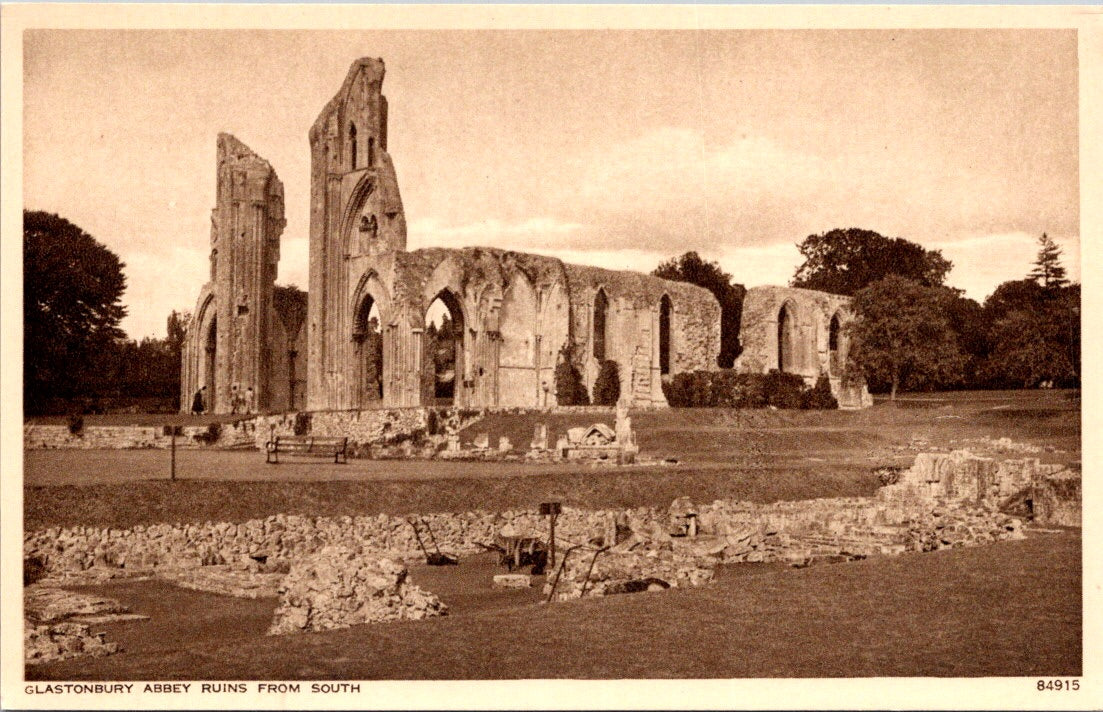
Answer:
[(759, 455), (144, 502), (1008, 609)]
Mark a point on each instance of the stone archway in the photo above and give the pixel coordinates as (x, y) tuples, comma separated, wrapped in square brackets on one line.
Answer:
[(666, 309), (210, 364), (787, 347), (443, 354), (368, 336), (835, 354)]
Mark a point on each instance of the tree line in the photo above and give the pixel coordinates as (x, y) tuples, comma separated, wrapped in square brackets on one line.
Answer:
[(913, 332)]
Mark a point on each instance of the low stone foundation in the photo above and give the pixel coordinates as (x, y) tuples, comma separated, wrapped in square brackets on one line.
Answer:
[(1057, 499), (136, 437), (344, 586), (59, 641), (950, 498)]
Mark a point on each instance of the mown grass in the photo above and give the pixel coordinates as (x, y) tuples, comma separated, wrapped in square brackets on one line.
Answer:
[(144, 502), (1009, 609), (760, 456)]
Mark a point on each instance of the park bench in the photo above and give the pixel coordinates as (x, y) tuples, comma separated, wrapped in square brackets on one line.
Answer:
[(306, 446)]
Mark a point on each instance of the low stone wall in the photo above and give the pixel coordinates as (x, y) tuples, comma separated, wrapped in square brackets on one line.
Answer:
[(134, 437), (1057, 499), (904, 516)]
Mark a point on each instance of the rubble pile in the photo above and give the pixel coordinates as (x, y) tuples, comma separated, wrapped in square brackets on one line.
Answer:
[(48, 642), (343, 586)]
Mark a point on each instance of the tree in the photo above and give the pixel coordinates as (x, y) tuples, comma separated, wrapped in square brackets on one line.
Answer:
[(691, 268), (72, 286), (1035, 334), (1048, 270), (845, 261), (901, 336), (607, 384)]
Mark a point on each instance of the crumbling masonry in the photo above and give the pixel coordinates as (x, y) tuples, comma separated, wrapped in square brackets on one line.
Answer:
[(365, 338)]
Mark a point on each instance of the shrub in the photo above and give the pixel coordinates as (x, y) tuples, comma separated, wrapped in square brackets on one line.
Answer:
[(784, 390), (819, 397), (302, 424), (76, 424), (607, 384), (214, 431), (569, 388)]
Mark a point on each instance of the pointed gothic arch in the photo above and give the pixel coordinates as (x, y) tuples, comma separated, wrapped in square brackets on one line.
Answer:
[(788, 356), (601, 325), (666, 311)]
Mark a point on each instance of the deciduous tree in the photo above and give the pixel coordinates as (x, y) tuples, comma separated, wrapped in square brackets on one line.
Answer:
[(72, 286), (845, 261), (901, 336)]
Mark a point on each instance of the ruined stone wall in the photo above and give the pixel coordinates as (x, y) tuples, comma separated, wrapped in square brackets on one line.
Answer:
[(632, 332), (133, 437), (287, 346), (227, 347), (517, 310), (790, 329)]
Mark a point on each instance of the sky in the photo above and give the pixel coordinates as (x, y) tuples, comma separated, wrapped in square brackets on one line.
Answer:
[(613, 148)]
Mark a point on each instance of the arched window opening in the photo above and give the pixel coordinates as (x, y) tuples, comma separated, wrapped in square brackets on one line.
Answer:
[(833, 344), (786, 346), (601, 317), (352, 145), (664, 335), (369, 343), (371, 151), (210, 359), (443, 360)]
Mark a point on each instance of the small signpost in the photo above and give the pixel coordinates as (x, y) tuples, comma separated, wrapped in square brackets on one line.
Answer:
[(172, 431), (551, 510)]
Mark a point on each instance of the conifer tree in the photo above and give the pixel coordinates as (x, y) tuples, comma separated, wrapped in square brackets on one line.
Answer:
[(1048, 270)]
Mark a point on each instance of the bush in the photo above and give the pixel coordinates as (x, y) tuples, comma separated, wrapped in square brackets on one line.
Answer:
[(607, 384), (214, 432), (302, 424), (729, 389), (76, 424), (569, 388), (819, 397)]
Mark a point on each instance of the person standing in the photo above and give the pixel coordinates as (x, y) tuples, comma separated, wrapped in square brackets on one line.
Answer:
[(198, 403)]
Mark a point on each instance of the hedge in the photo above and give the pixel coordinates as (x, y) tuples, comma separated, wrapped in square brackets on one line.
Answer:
[(729, 389)]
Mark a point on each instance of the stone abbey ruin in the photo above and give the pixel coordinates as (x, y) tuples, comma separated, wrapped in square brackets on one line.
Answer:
[(361, 338)]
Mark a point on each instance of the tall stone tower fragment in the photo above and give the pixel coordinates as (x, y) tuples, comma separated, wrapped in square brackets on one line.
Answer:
[(356, 219), (227, 349)]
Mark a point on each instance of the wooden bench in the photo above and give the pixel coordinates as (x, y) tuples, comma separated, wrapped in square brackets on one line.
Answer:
[(306, 446)]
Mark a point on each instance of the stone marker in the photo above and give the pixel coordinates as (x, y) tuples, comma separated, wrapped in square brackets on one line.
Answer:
[(513, 581), (482, 441), (504, 445), (539, 437)]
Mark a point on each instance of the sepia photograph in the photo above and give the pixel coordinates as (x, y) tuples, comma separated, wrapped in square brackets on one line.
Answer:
[(526, 350)]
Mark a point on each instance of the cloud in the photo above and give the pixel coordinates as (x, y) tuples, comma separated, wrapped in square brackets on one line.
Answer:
[(672, 187)]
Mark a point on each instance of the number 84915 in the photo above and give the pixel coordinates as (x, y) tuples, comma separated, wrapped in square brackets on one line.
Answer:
[(1056, 685)]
